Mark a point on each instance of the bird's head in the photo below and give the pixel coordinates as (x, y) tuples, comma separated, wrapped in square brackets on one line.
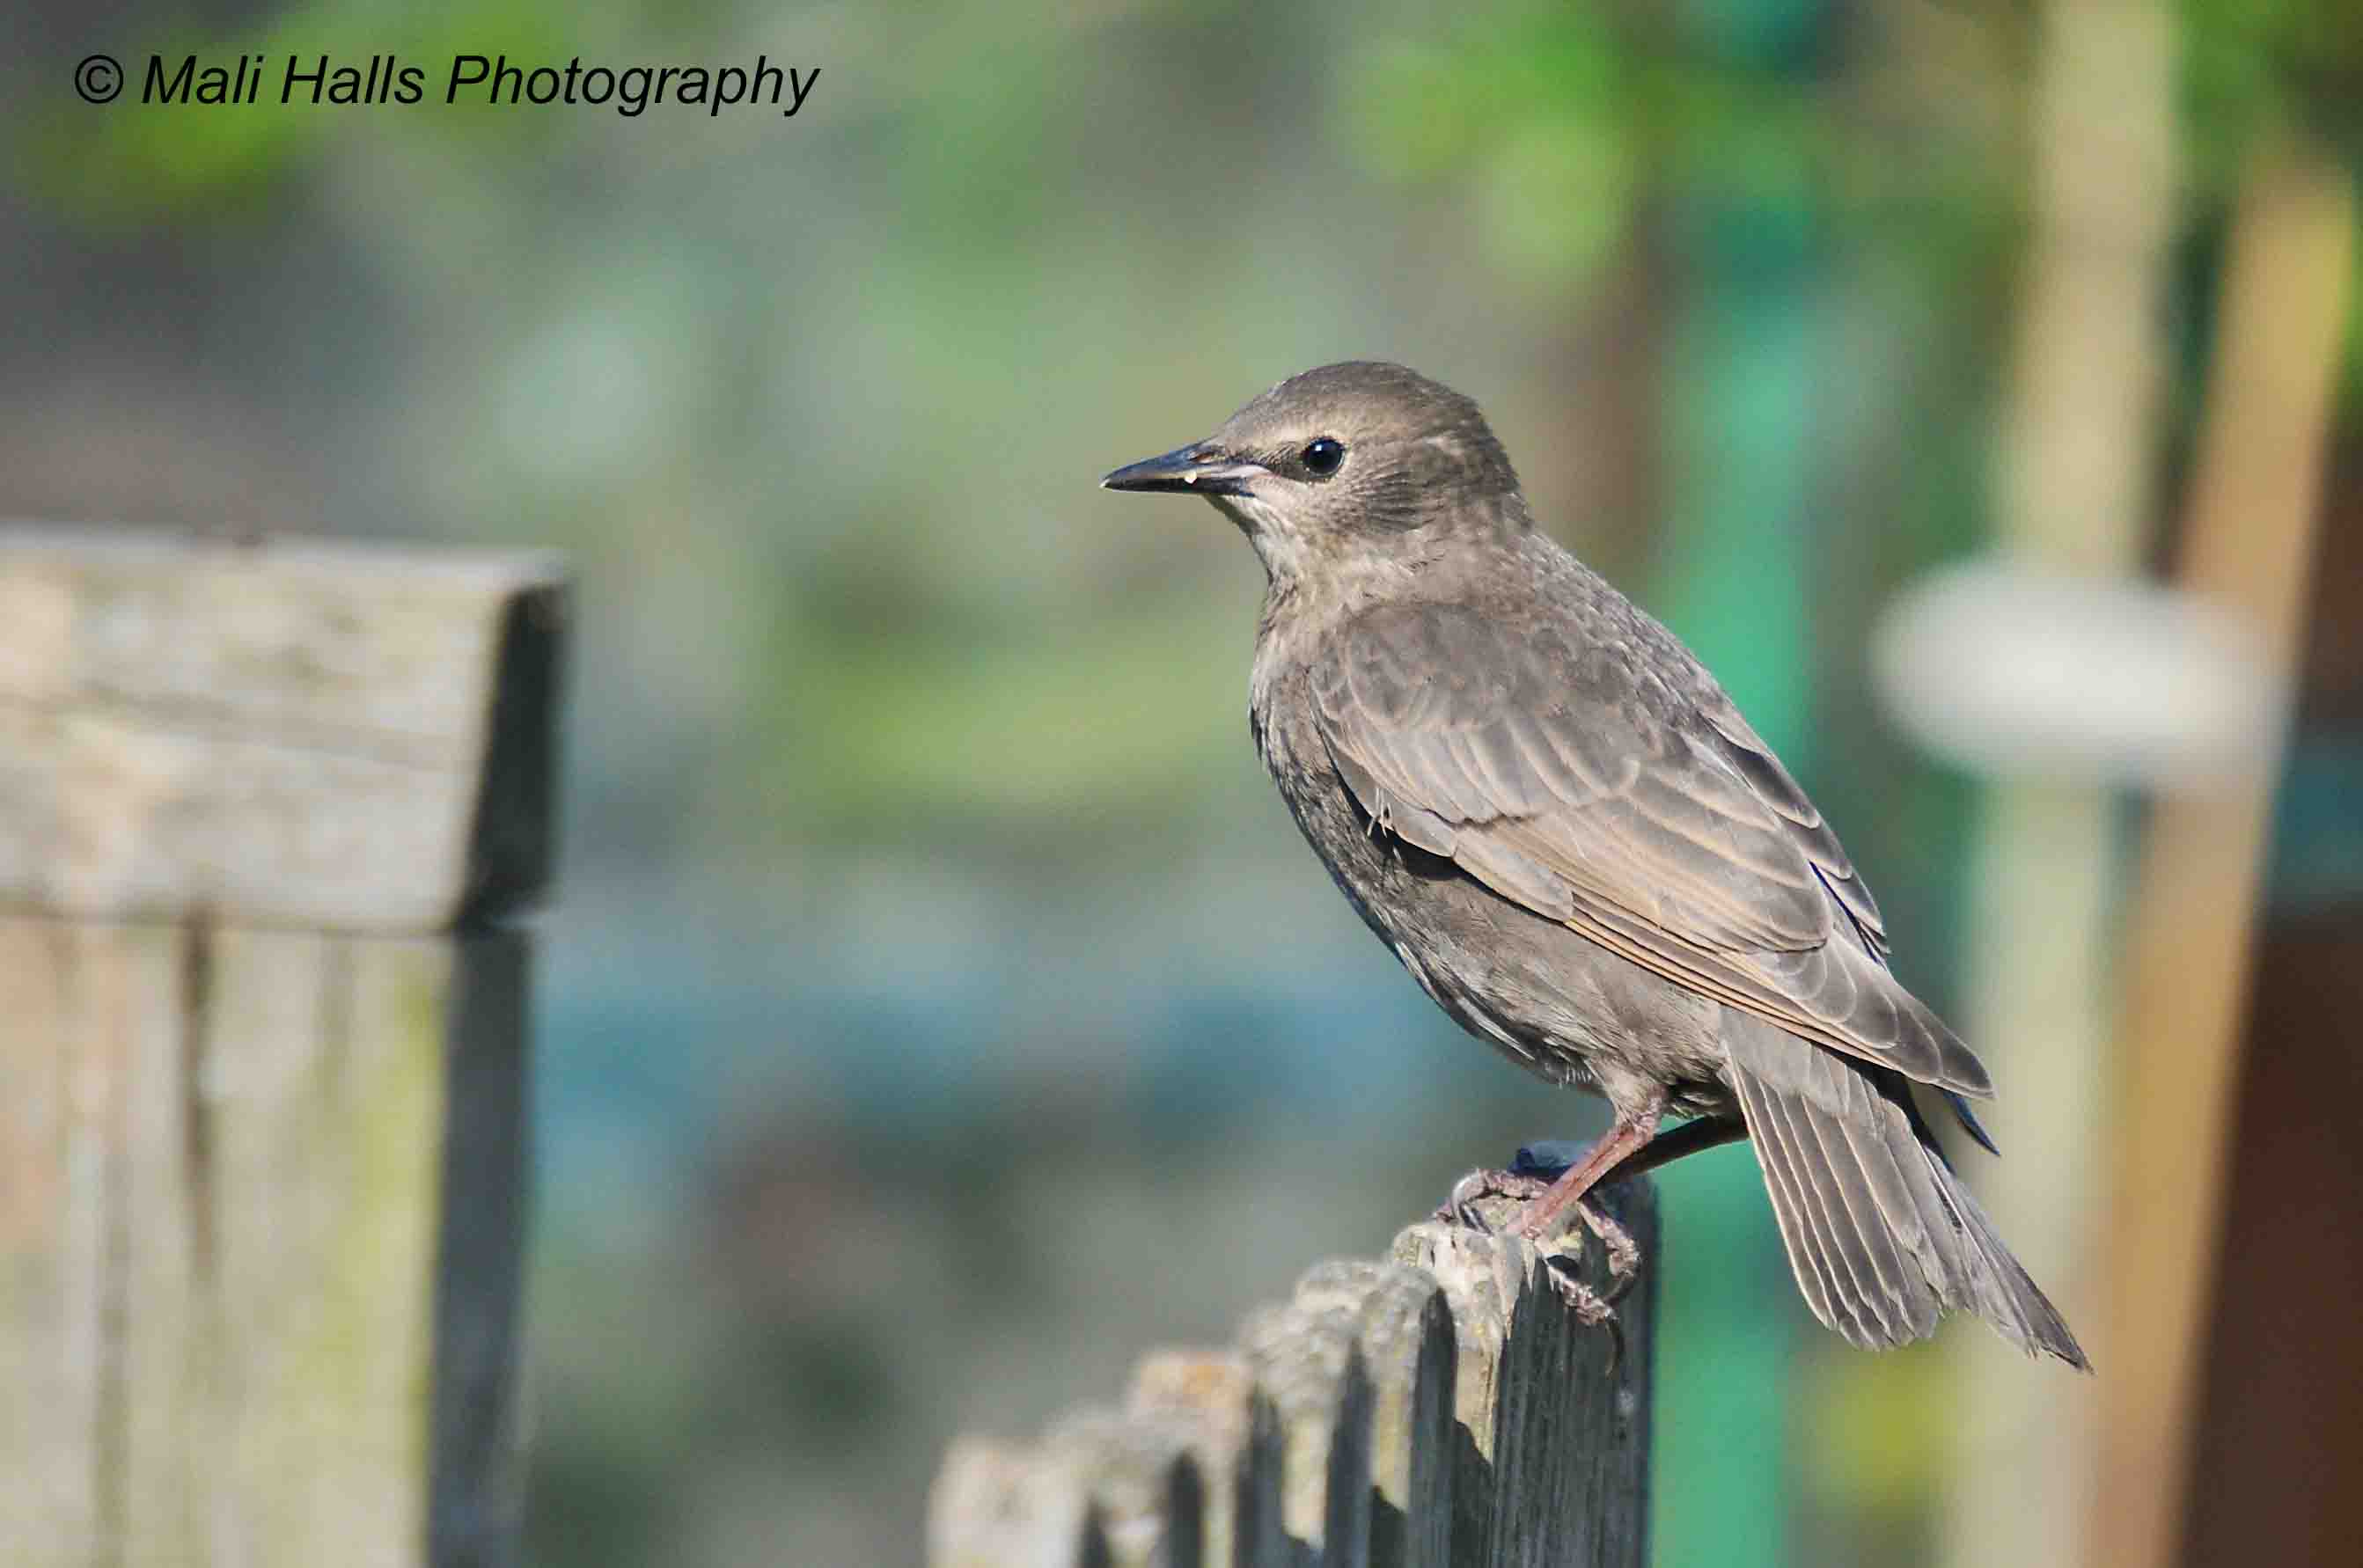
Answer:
[(1349, 461)]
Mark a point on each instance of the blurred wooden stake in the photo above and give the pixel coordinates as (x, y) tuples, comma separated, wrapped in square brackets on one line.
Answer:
[(263, 1045), (2247, 542), (2080, 437)]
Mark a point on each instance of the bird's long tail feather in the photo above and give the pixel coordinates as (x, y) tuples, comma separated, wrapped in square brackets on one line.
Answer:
[(1881, 1234)]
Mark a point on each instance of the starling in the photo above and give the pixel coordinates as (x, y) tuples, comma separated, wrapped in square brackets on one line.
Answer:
[(1546, 808)]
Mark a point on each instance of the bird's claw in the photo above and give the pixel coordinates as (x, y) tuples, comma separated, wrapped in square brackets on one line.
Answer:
[(1588, 1305), (1624, 1252), (1592, 1310)]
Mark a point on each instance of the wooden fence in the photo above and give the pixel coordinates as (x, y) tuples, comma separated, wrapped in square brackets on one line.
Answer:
[(263, 814), (1444, 1406)]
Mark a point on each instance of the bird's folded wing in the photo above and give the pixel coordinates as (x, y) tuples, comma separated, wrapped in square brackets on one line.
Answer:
[(1569, 777)]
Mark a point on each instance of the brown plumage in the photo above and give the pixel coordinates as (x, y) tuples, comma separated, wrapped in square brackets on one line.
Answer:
[(1555, 817)]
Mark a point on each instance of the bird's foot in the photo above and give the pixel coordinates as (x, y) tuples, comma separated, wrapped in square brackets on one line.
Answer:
[(1529, 1175), (1529, 1178), (1537, 1167), (1459, 1206), (1595, 1308), (1624, 1252)]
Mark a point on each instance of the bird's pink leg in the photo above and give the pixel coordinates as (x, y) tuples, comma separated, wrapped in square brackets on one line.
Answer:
[(1624, 1136)]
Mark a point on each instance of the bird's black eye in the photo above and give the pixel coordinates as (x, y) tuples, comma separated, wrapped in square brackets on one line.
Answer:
[(1322, 457)]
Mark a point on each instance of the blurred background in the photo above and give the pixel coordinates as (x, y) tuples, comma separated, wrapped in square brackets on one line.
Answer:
[(939, 1008)]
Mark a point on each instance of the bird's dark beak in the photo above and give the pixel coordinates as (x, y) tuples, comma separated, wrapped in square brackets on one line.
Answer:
[(1196, 470)]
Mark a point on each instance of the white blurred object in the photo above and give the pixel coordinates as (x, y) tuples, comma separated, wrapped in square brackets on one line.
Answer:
[(2011, 670)]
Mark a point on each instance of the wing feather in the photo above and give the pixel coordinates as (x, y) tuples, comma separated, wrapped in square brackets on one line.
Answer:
[(1578, 783)]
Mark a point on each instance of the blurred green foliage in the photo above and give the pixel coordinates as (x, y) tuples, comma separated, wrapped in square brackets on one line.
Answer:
[(2254, 68)]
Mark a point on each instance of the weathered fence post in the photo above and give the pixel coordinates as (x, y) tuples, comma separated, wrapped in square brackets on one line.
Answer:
[(1444, 1409), (262, 810)]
